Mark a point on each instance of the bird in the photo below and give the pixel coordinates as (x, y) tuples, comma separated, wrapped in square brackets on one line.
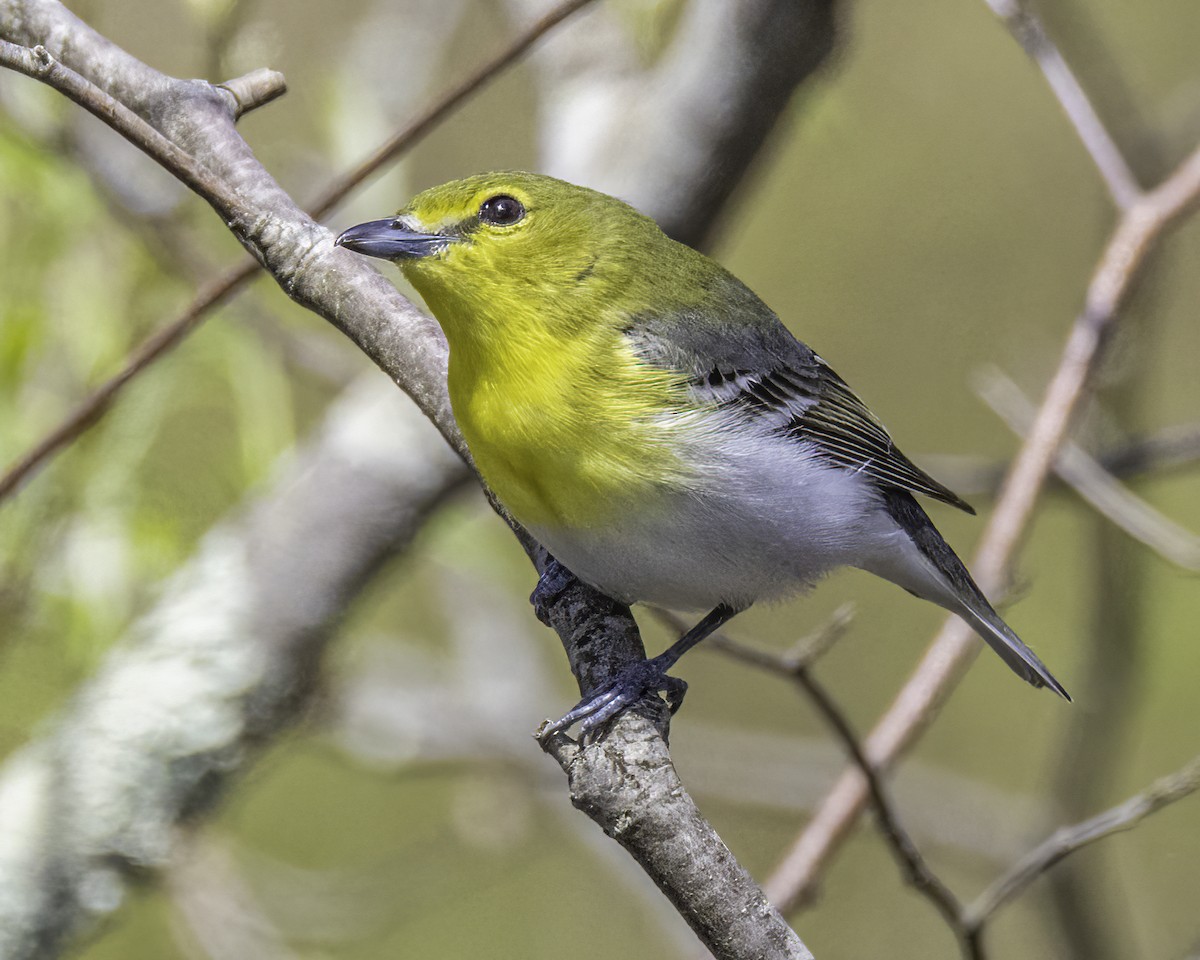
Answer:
[(655, 425)]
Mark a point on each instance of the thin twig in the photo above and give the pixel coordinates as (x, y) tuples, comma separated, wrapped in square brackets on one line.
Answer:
[(1066, 840), (37, 63), (1106, 155), (96, 403), (1168, 448), (944, 662), (912, 863), (1081, 471), (391, 148), (804, 652), (253, 90), (1165, 449), (796, 667), (40, 66)]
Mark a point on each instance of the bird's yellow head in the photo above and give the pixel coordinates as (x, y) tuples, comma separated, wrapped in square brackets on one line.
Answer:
[(490, 249), (535, 281)]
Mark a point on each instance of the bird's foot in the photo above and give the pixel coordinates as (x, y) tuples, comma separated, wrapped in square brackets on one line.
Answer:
[(550, 586), (634, 682)]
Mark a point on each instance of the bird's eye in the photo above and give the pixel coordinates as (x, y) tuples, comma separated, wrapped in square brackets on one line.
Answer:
[(501, 210)]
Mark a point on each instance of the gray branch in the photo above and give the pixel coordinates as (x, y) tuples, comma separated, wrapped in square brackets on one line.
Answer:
[(1095, 485), (229, 654), (1066, 840), (1110, 162), (626, 782), (226, 658), (197, 120)]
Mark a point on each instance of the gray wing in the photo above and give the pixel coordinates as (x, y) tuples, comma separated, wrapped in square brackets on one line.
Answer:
[(749, 360)]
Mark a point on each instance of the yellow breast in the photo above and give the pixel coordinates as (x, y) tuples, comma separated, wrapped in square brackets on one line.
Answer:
[(566, 434)]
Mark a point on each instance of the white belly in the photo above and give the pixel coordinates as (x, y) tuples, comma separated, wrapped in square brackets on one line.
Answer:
[(765, 519)]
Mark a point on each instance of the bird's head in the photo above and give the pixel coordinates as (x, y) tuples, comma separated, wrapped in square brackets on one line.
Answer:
[(492, 244)]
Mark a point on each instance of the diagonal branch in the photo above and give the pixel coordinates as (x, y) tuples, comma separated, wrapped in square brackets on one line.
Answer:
[(1165, 449), (38, 63), (435, 113), (1027, 30), (797, 667), (913, 865), (1136, 234), (1168, 448), (246, 93), (93, 407), (804, 653), (600, 636), (1066, 840), (626, 782), (1095, 485)]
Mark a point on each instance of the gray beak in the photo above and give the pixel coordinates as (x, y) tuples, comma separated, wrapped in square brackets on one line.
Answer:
[(391, 240)]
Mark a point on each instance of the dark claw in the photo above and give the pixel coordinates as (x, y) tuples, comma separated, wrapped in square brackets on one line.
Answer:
[(550, 586), (634, 682), (674, 690)]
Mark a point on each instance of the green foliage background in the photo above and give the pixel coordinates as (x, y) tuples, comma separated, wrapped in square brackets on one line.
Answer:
[(925, 212)]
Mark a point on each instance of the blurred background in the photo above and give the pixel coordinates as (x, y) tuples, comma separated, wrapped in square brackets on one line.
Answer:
[(922, 214)]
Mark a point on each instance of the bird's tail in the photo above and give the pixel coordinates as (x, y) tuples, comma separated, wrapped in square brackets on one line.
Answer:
[(927, 567), (1001, 638)]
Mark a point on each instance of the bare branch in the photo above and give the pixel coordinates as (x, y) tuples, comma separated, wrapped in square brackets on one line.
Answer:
[(417, 128), (255, 89), (945, 661), (804, 653), (796, 667), (1066, 840), (1096, 485), (600, 636), (38, 63), (1168, 448), (96, 404), (912, 863), (652, 816), (1027, 30), (247, 93), (661, 828), (225, 660)]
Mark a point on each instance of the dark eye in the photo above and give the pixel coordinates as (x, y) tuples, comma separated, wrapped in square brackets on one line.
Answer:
[(501, 210)]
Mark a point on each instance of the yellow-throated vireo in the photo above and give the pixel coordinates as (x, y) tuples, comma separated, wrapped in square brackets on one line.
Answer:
[(651, 421)]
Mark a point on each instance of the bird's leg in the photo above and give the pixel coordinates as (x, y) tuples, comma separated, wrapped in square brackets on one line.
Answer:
[(554, 580), (641, 678)]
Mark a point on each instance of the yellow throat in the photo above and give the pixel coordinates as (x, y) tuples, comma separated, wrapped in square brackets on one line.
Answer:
[(566, 424)]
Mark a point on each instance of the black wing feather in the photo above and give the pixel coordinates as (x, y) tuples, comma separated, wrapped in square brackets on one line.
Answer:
[(734, 352)]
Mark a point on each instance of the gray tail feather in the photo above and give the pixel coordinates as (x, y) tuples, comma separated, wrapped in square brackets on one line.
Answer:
[(1000, 637), (960, 594)]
